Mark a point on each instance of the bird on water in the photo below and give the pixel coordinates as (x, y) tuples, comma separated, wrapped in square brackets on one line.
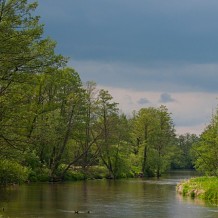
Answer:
[(76, 211)]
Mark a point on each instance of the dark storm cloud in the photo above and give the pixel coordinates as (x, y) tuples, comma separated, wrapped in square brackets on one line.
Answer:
[(134, 30), (168, 45), (160, 77)]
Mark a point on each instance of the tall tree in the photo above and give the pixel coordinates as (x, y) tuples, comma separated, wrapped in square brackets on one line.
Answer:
[(22, 49), (164, 138), (23, 55), (85, 135), (107, 116), (90, 136), (121, 149), (154, 133), (183, 158), (143, 123), (63, 99), (205, 150)]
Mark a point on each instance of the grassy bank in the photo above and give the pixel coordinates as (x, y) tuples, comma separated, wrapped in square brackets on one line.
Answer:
[(205, 188)]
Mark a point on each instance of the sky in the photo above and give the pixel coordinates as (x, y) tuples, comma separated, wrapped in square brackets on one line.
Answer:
[(146, 53)]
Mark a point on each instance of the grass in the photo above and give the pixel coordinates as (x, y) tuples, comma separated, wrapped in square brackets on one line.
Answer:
[(205, 188)]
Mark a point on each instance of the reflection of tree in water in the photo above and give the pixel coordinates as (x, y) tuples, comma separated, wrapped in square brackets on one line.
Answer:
[(7, 195)]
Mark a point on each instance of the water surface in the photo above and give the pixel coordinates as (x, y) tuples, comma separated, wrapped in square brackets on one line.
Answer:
[(101, 198)]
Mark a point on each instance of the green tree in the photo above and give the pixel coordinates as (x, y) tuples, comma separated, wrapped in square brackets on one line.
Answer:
[(205, 150), (12, 172), (164, 138), (143, 122), (121, 149), (89, 135), (22, 49), (57, 116), (183, 158), (24, 54), (86, 135), (107, 117), (153, 131)]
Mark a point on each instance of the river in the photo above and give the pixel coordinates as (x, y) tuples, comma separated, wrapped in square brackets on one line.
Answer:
[(135, 198)]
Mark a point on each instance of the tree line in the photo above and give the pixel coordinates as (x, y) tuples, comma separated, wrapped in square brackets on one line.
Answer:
[(54, 127)]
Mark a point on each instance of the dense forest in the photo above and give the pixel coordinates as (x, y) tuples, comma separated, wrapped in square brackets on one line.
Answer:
[(55, 127)]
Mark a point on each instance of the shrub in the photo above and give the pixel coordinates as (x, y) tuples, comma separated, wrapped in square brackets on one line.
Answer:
[(96, 172), (74, 176), (12, 172)]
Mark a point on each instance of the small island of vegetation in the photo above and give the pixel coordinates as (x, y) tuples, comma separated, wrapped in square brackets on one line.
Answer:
[(205, 188)]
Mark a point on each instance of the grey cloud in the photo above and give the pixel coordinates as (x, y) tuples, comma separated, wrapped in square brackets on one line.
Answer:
[(194, 121), (166, 98), (134, 31), (166, 46), (161, 77), (143, 101)]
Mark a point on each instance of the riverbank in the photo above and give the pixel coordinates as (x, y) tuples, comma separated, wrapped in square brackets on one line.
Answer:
[(205, 188)]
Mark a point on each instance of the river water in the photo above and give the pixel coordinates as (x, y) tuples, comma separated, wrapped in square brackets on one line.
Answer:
[(135, 198)]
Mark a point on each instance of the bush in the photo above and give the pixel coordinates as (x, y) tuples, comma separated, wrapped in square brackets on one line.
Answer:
[(96, 172), (12, 172), (74, 176), (39, 175)]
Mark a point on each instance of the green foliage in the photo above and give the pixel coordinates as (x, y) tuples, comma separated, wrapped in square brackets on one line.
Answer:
[(183, 157), (205, 150), (25, 59), (154, 133), (96, 172), (40, 174), (136, 163), (201, 187), (120, 163), (12, 172), (74, 176)]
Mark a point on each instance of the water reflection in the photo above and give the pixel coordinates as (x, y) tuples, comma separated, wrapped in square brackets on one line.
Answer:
[(124, 198)]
